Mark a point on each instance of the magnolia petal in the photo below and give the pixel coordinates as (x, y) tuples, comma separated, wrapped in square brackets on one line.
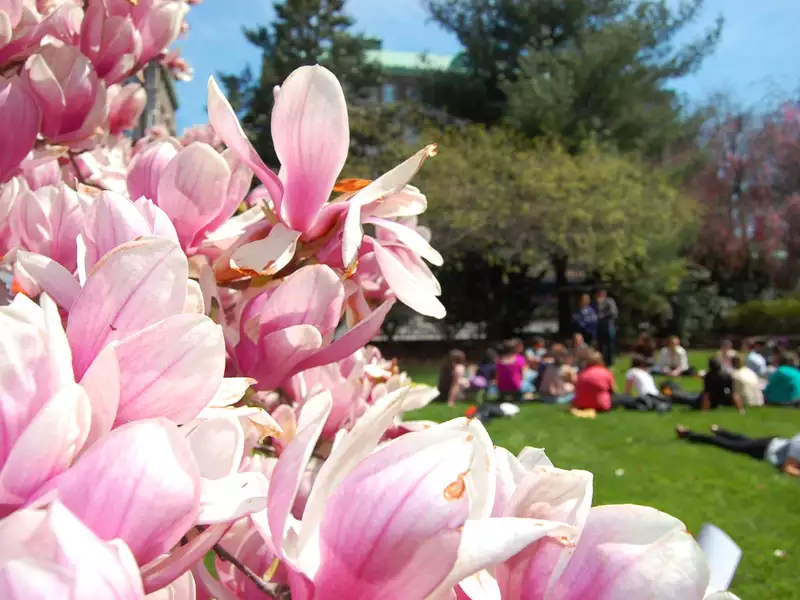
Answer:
[(47, 446), (534, 457), (288, 473), (101, 382), (356, 444), (405, 286), (352, 340), (410, 238), (311, 136), (193, 189), (218, 447), (230, 391), (170, 369), (407, 202), (182, 588), (132, 287), (51, 277), (226, 124), (383, 186), (480, 586), (150, 465), (230, 498), (406, 500), (486, 542), (622, 552), (323, 295), (270, 255), (194, 299)]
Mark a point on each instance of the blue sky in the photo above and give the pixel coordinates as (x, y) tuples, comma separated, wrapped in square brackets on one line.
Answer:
[(757, 61)]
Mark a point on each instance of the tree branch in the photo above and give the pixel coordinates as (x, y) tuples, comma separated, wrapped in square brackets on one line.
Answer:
[(249, 573)]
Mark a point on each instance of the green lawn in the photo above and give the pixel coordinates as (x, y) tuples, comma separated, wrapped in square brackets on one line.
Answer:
[(753, 503)]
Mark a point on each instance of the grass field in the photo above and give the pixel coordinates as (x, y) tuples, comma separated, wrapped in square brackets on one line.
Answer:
[(748, 499)]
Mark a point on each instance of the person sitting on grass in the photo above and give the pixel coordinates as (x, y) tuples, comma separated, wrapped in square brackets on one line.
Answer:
[(452, 380), (783, 387), (557, 380), (781, 453), (746, 383), (639, 383), (717, 390), (509, 371), (597, 389), (753, 351), (725, 354), (645, 347), (673, 360)]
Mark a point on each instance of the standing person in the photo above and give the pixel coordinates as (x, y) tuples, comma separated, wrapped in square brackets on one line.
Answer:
[(607, 314), (452, 380), (746, 383), (781, 453), (509, 370), (585, 319), (673, 359)]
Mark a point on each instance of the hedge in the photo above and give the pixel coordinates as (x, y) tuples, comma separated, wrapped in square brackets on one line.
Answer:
[(765, 317)]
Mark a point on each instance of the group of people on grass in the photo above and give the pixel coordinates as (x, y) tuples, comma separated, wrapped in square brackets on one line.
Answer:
[(578, 375)]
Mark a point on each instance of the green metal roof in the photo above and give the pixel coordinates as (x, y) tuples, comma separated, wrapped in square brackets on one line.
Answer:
[(411, 61)]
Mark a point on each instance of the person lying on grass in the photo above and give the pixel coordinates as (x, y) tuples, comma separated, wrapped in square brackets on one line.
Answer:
[(781, 453)]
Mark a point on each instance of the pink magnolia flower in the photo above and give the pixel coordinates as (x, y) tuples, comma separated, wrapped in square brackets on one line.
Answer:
[(618, 550), (130, 310), (196, 186), (20, 114), (46, 416), (408, 519), (110, 41), (68, 92), (310, 132), (48, 221), (49, 553), (157, 22), (60, 21), (127, 104), (113, 220), (8, 196), (285, 330), (150, 465)]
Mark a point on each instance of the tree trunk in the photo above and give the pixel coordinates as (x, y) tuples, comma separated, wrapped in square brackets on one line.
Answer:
[(560, 263)]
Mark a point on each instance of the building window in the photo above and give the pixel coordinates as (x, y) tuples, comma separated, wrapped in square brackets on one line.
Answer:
[(389, 93)]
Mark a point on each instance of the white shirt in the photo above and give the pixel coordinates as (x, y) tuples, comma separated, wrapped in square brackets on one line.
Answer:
[(642, 382), (676, 359), (748, 386)]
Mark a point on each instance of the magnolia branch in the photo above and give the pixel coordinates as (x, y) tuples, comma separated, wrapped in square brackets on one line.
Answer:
[(249, 573)]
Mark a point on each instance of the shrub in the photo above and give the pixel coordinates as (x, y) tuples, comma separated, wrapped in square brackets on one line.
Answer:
[(765, 317)]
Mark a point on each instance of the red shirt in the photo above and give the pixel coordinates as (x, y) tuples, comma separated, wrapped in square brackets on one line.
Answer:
[(593, 389)]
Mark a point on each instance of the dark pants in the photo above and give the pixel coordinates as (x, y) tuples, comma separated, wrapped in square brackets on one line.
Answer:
[(735, 442), (623, 400), (606, 343)]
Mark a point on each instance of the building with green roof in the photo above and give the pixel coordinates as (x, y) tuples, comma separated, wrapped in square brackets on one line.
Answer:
[(403, 72)]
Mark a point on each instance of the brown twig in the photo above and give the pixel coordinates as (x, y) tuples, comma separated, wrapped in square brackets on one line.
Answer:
[(249, 573)]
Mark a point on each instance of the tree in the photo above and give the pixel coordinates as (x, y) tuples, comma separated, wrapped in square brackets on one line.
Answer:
[(750, 191), (572, 69), (303, 32), (526, 206)]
